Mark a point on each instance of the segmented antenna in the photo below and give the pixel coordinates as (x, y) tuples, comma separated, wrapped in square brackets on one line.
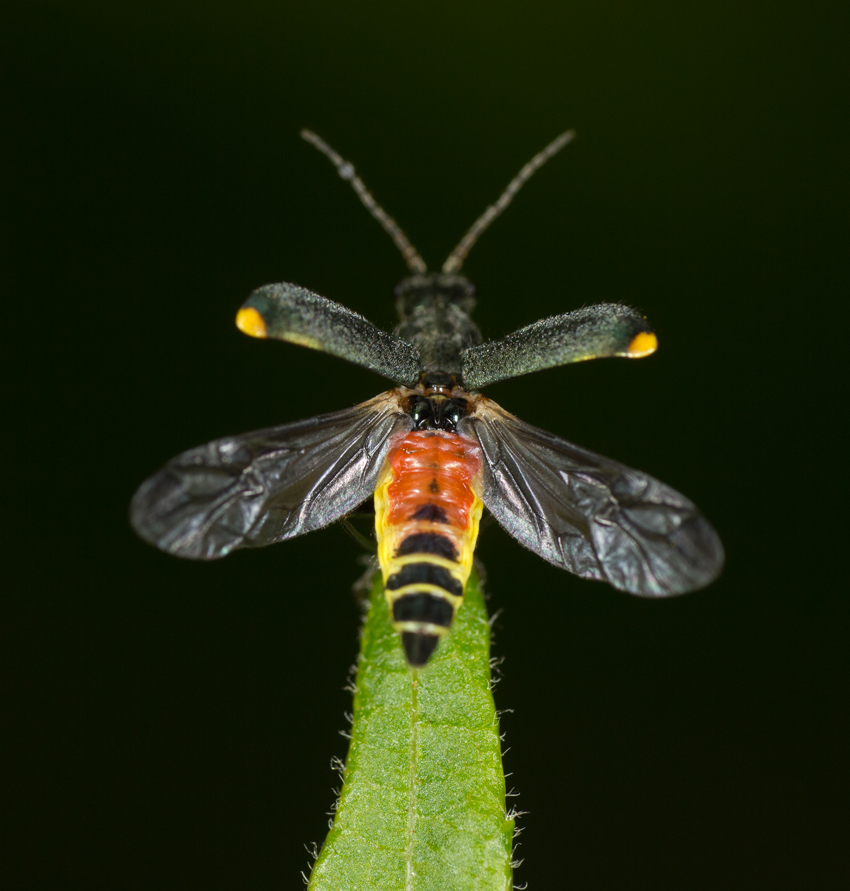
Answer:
[(458, 255), (346, 170)]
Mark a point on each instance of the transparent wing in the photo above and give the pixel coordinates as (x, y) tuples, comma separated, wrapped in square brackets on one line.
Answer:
[(585, 513), (262, 487)]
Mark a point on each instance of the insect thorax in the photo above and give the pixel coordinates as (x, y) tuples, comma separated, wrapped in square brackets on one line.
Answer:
[(434, 309), (438, 403)]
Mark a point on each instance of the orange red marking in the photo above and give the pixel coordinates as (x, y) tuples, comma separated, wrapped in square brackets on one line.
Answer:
[(432, 467), (427, 488)]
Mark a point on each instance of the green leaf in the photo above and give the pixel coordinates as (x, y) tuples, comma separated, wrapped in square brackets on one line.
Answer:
[(423, 798)]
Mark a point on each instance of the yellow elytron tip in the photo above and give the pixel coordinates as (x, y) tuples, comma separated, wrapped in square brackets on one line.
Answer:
[(643, 344), (251, 322), (302, 340)]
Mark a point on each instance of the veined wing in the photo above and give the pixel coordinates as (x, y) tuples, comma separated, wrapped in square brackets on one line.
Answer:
[(585, 513), (269, 485)]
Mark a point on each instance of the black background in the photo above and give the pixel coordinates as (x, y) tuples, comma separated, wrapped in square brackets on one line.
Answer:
[(170, 725)]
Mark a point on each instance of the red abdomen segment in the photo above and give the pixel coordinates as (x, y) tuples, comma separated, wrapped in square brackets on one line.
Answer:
[(426, 518)]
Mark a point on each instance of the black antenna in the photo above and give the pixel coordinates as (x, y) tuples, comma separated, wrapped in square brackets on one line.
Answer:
[(458, 255), (346, 170)]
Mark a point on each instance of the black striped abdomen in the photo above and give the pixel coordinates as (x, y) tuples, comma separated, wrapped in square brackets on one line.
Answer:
[(427, 517)]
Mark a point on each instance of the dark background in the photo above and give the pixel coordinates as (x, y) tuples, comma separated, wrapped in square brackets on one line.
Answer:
[(170, 725)]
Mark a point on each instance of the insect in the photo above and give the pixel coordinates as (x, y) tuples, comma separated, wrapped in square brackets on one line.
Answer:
[(433, 451)]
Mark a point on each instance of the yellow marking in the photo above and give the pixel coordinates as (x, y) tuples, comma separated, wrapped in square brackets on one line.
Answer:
[(382, 528), (423, 588), (434, 559), (474, 522), (643, 344), (251, 322), (302, 340), (421, 628)]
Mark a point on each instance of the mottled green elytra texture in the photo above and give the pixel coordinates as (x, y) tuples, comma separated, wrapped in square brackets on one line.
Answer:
[(595, 332), (423, 798), (293, 313)]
